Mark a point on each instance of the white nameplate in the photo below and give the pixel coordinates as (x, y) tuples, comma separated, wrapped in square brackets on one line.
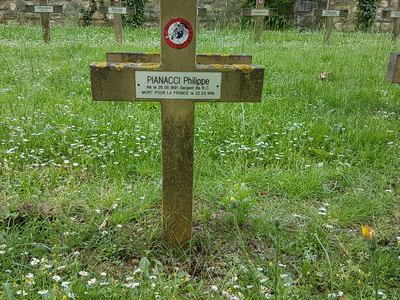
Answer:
[(43, 9), (177, 85), (395, 14), (117, 10), (331, 13), (259, 12)]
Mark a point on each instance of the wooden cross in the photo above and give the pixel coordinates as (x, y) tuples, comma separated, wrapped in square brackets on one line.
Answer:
[(177, 80), (45, 9), (259, 13), (117, 11), (395, 15), (329, 14), (393, 72)]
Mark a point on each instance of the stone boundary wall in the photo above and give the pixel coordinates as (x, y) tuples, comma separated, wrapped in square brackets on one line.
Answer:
[(219, 13)]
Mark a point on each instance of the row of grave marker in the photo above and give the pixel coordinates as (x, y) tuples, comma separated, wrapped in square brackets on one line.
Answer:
[(117, 10), (259, 13)]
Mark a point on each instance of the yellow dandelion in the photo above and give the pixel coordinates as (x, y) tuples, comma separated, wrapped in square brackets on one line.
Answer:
[(368, 232)]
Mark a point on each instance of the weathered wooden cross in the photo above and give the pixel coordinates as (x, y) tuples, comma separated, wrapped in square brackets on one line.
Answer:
[(44, 9), (177, 78), (393, 72), (117, 11), (395, 15), (259, 13), (329, 13)]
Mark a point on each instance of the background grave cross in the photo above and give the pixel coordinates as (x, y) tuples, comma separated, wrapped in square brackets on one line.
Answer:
[(395, 15), (329, 13), (117, 11), (44, 9), (174, 79), (259, 13)]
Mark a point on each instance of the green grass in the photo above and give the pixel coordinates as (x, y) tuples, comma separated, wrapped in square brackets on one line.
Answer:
[(78, 176)]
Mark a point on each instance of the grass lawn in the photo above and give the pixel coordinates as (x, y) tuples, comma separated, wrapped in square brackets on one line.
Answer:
[(282, 187)]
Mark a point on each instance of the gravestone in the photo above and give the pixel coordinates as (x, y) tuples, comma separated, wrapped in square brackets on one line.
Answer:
[(329, 13), (177, 80), (117, 10), (259, 13), (45, 10), (395, 15)]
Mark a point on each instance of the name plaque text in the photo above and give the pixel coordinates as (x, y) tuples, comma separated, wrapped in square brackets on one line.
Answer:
[(260, 12), (178, 85), (331, 13), (43, 9), (117, 10), (395, 14)]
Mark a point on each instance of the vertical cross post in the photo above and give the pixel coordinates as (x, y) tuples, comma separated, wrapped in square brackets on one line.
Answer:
[(44, 9), (177, 119), (393, 72), (259, 13), (258, 25), (177, 81), (329, 14), (118, 11), (395, 15)]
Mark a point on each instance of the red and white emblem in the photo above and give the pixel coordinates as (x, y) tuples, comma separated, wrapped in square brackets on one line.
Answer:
[(332, 2), (261, 2), (178, 33)]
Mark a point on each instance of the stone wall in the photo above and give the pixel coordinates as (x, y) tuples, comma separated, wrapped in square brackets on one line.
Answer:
[(303, 15), (219, 13)]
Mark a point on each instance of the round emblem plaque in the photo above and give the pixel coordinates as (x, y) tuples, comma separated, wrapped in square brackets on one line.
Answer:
[(332, 2), (261, 2), (178, 33)]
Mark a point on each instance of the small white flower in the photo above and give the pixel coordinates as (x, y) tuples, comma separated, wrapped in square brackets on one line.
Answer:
[(56, 278), (83, 273), (65, 284), (103, 274), (66, 161), (92, 281), (22, 292), (43, 292)]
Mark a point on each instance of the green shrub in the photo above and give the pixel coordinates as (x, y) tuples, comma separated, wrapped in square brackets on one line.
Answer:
[(137, 19), (366, 17)]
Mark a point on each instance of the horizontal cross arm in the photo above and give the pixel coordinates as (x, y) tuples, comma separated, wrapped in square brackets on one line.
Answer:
[(201, 59), (50, 8), (123, 10), (254, 12), (319, 13), (390, 14), (118, 82)]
